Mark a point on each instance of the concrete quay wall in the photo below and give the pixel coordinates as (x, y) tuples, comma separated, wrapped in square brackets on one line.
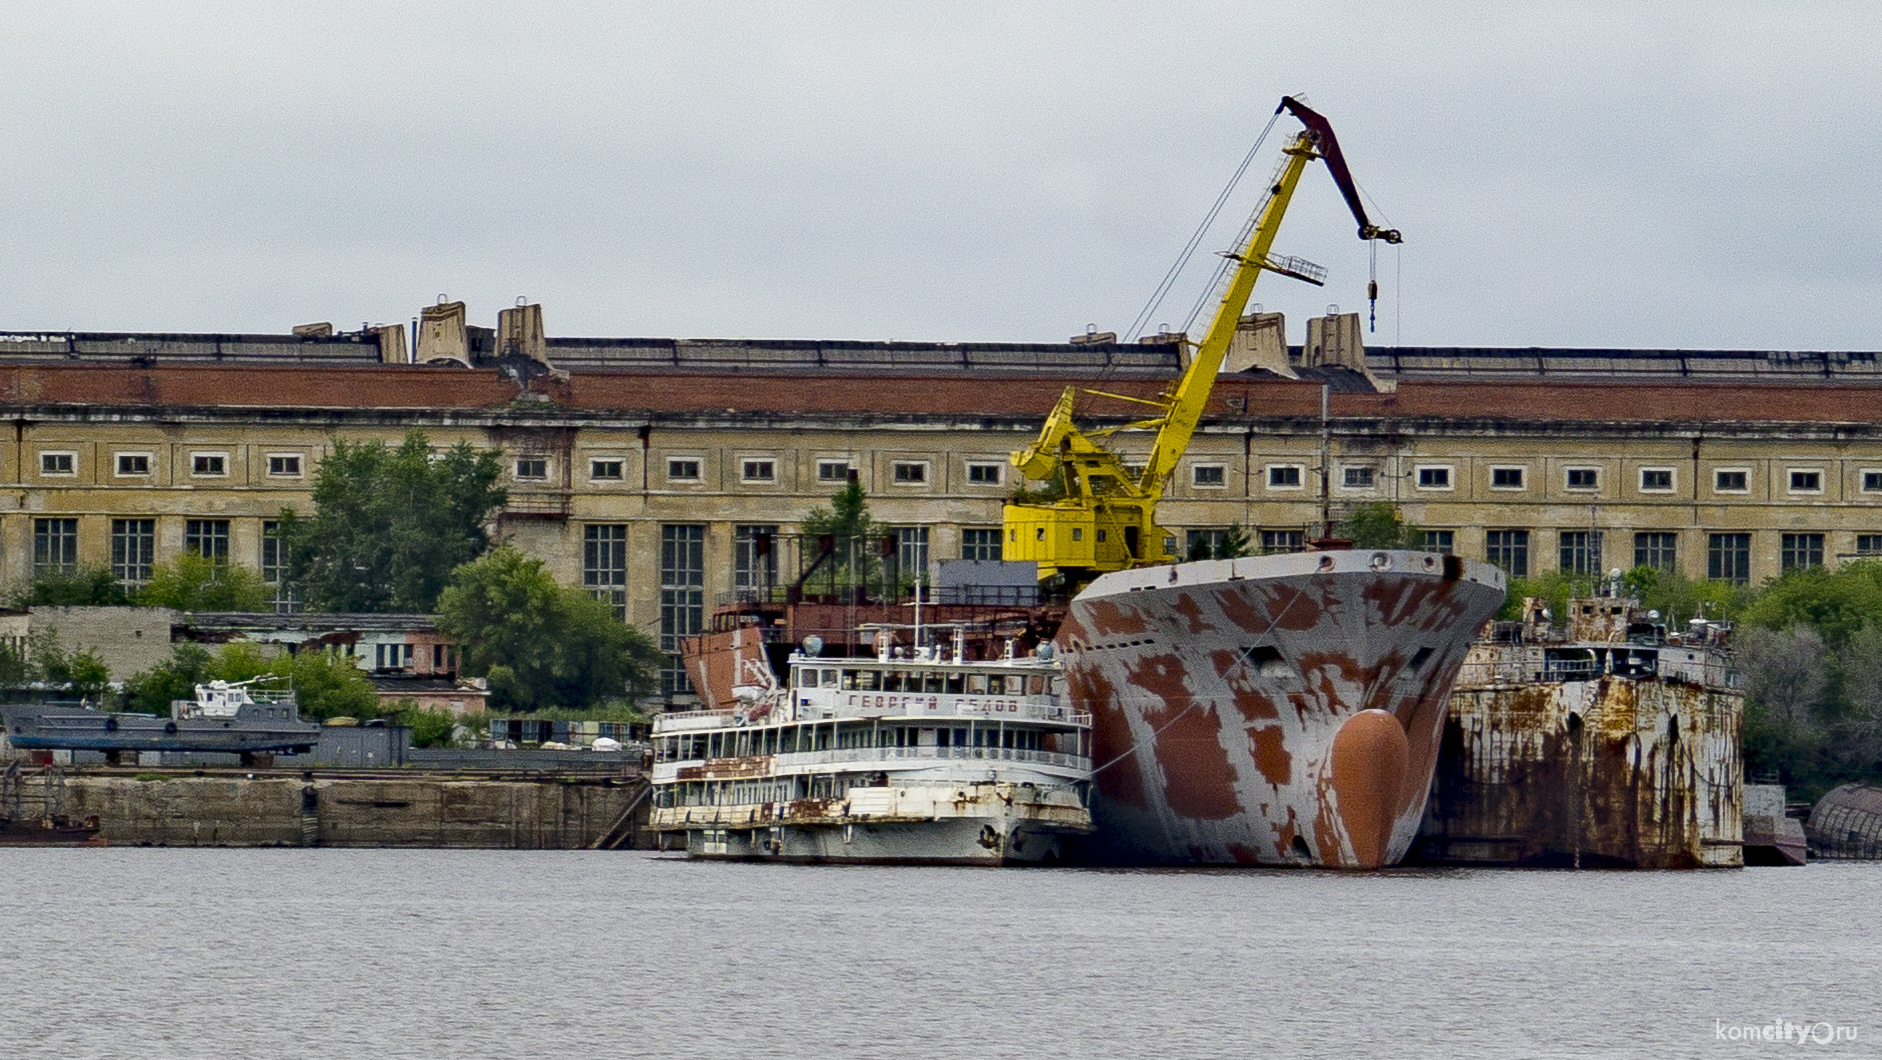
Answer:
[(552, 814)]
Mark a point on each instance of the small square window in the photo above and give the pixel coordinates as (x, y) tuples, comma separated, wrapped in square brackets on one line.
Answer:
[(1584, 478), (1806, 481), (284, 465), (1434, 478), (133, 463), (909, 472), (1506, 478), (1731, 480), (607, 470), (983, 474), (759, 471), (1444, 541), (1872, 481), (680, 469), (533, 468), (209, 465), (1284, 476), (833, 471), (57, 463), (1209, 476), (1359, 478), (1656, 480)]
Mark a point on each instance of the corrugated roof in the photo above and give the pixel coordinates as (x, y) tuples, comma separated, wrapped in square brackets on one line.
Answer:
[(892, 394)]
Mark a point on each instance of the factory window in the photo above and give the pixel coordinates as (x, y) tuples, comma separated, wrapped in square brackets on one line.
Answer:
[(607, 470), (1871, 481), (909, 472), (1584, 478), (1728, 558), (1508, 549), (209, 465), (758, 471), (58, 463), (1806, 481), (1656, 480), (133, 549), (980, 544), (274, 565), (604, 564), (1801, 552), (755, 560), (911, 551), (284, 465), (1208, 476), (1506, 478), (1869, 544), (1581, 551), (1284, 476), (1659, 550), (393, 656), (532, 468), (833, 471), (1358, 478), (131, 465), (55, 544), (1441, 541), (682, 599), (1731, 480), (680, 469), (1434, 477), (208, 538), (983, 474), (1204, 544), (1273, 541)]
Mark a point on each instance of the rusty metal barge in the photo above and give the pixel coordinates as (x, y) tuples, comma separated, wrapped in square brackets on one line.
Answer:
[(1272, 710), (1605, 741), (919, 754)]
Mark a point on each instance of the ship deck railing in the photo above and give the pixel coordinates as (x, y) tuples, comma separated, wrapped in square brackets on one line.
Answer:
[(847, 755), (697, 720)]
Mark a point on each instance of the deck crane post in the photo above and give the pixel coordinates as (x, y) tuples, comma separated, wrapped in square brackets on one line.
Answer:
[(1106, 519)]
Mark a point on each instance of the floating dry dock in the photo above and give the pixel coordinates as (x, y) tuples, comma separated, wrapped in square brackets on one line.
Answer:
[(1608, 741)]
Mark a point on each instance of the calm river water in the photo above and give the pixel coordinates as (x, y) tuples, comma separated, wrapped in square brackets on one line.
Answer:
[(301, 953)]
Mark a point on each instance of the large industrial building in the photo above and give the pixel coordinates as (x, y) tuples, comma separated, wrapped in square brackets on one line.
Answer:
[(642, 468)]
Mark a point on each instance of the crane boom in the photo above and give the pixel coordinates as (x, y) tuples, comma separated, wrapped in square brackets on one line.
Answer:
[(1106, 518)]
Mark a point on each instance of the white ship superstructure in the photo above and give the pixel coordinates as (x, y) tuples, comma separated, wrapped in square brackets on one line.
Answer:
[(917, 754)]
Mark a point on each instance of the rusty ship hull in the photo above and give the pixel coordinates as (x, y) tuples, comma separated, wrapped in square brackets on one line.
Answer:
[(1273, 710), (1613, 746)]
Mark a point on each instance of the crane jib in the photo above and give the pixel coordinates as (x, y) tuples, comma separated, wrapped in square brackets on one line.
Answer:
[(1105, 516)]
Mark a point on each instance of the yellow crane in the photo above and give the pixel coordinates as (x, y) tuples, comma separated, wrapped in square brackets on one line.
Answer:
[(1106, 519)]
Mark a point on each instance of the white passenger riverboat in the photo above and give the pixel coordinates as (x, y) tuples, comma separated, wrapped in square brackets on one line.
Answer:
[(918, 754)]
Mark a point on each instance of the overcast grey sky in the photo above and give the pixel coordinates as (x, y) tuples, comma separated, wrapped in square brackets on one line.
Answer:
[(1688, 175)]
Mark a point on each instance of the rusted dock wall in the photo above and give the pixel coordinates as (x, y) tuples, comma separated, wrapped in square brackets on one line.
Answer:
[(561, 813), (1611, 771)]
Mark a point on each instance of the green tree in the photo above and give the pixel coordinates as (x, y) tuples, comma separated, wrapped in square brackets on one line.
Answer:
[(325, 683), (540, 643), (194, 583), (1679, 598), (73, 587), (150, 691), (430, 728), (847, 517), (390, 525), (81, 672), (1379, 524), (1835, 603)]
